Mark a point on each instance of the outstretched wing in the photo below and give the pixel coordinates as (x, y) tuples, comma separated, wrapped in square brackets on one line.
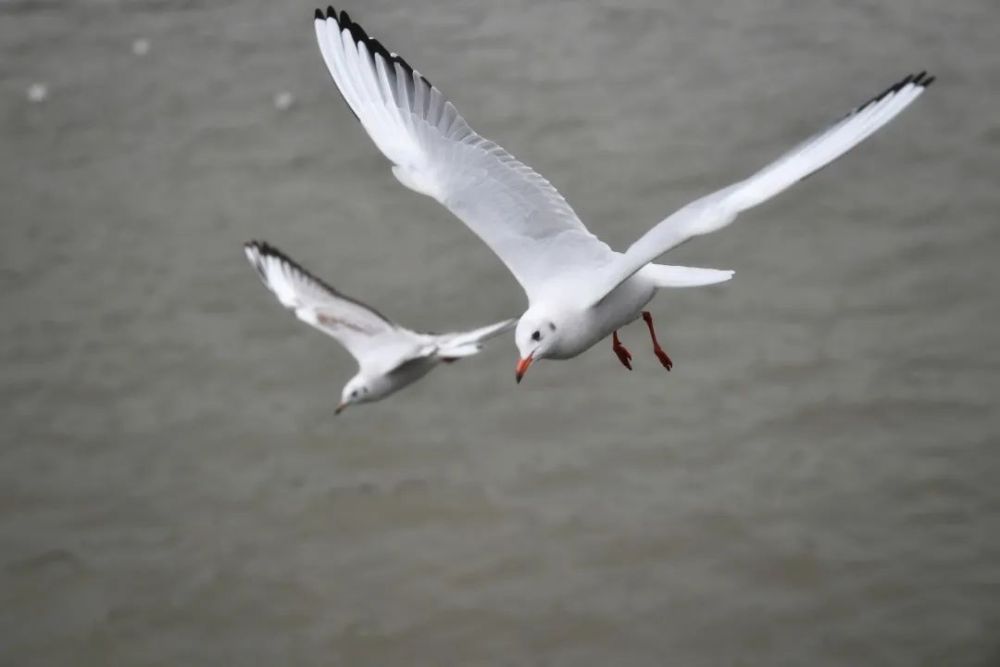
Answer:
[(720, 208), (513, 209), (368, 335)]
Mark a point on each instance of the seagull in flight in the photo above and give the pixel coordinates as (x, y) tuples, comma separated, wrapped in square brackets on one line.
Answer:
[(579, 290), (389, 356)]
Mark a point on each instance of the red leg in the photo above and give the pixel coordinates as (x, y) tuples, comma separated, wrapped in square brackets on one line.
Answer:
[(624, 355), (664, 358)]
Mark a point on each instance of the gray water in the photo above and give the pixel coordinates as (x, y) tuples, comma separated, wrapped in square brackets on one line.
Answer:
[(814, 484)]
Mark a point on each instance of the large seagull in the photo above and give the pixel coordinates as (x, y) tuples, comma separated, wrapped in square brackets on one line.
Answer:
[(579, 290)]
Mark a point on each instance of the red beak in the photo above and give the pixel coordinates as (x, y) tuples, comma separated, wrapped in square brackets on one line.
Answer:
[(522, 367)]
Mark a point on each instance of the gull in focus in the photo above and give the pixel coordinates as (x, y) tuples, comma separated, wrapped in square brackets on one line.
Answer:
[(579, 290), (389, 356)]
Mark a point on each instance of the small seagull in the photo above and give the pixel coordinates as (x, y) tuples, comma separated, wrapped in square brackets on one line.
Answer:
[(579, 290), (389, 356)]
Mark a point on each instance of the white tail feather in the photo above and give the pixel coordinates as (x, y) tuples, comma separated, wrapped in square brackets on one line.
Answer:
[(467, 343), (665, 275)]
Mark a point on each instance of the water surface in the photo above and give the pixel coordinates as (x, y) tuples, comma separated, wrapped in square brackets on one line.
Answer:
[(814, 484)]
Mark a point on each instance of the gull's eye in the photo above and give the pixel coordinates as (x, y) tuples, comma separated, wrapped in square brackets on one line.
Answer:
[(536, 335), (354, 394)]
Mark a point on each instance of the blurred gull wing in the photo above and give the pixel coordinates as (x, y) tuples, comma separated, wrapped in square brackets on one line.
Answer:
[(377, 343), (720, 208), (513, 209)]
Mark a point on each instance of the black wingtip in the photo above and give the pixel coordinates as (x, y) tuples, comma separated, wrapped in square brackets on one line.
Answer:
[(359, 35), (920, 79), (318, 14), (260, 247), (266, 250), (923, 80), (255, 252)]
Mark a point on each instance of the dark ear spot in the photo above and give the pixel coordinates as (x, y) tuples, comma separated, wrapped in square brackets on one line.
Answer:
[(552, 326), (537, 335)]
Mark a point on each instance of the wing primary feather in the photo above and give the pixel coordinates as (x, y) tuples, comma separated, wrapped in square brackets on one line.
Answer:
[(404, 85), (362, 61), (331, 55), (259, 251)]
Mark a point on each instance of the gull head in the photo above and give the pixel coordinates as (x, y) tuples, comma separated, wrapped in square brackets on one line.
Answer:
[(536, 334), (357, 390)]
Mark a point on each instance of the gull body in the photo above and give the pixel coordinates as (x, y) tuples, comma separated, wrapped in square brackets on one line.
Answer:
[(579, 290), (389, 356), (569, 326)]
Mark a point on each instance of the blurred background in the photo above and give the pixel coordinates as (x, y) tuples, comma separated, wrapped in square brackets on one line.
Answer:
[(814, 484)]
